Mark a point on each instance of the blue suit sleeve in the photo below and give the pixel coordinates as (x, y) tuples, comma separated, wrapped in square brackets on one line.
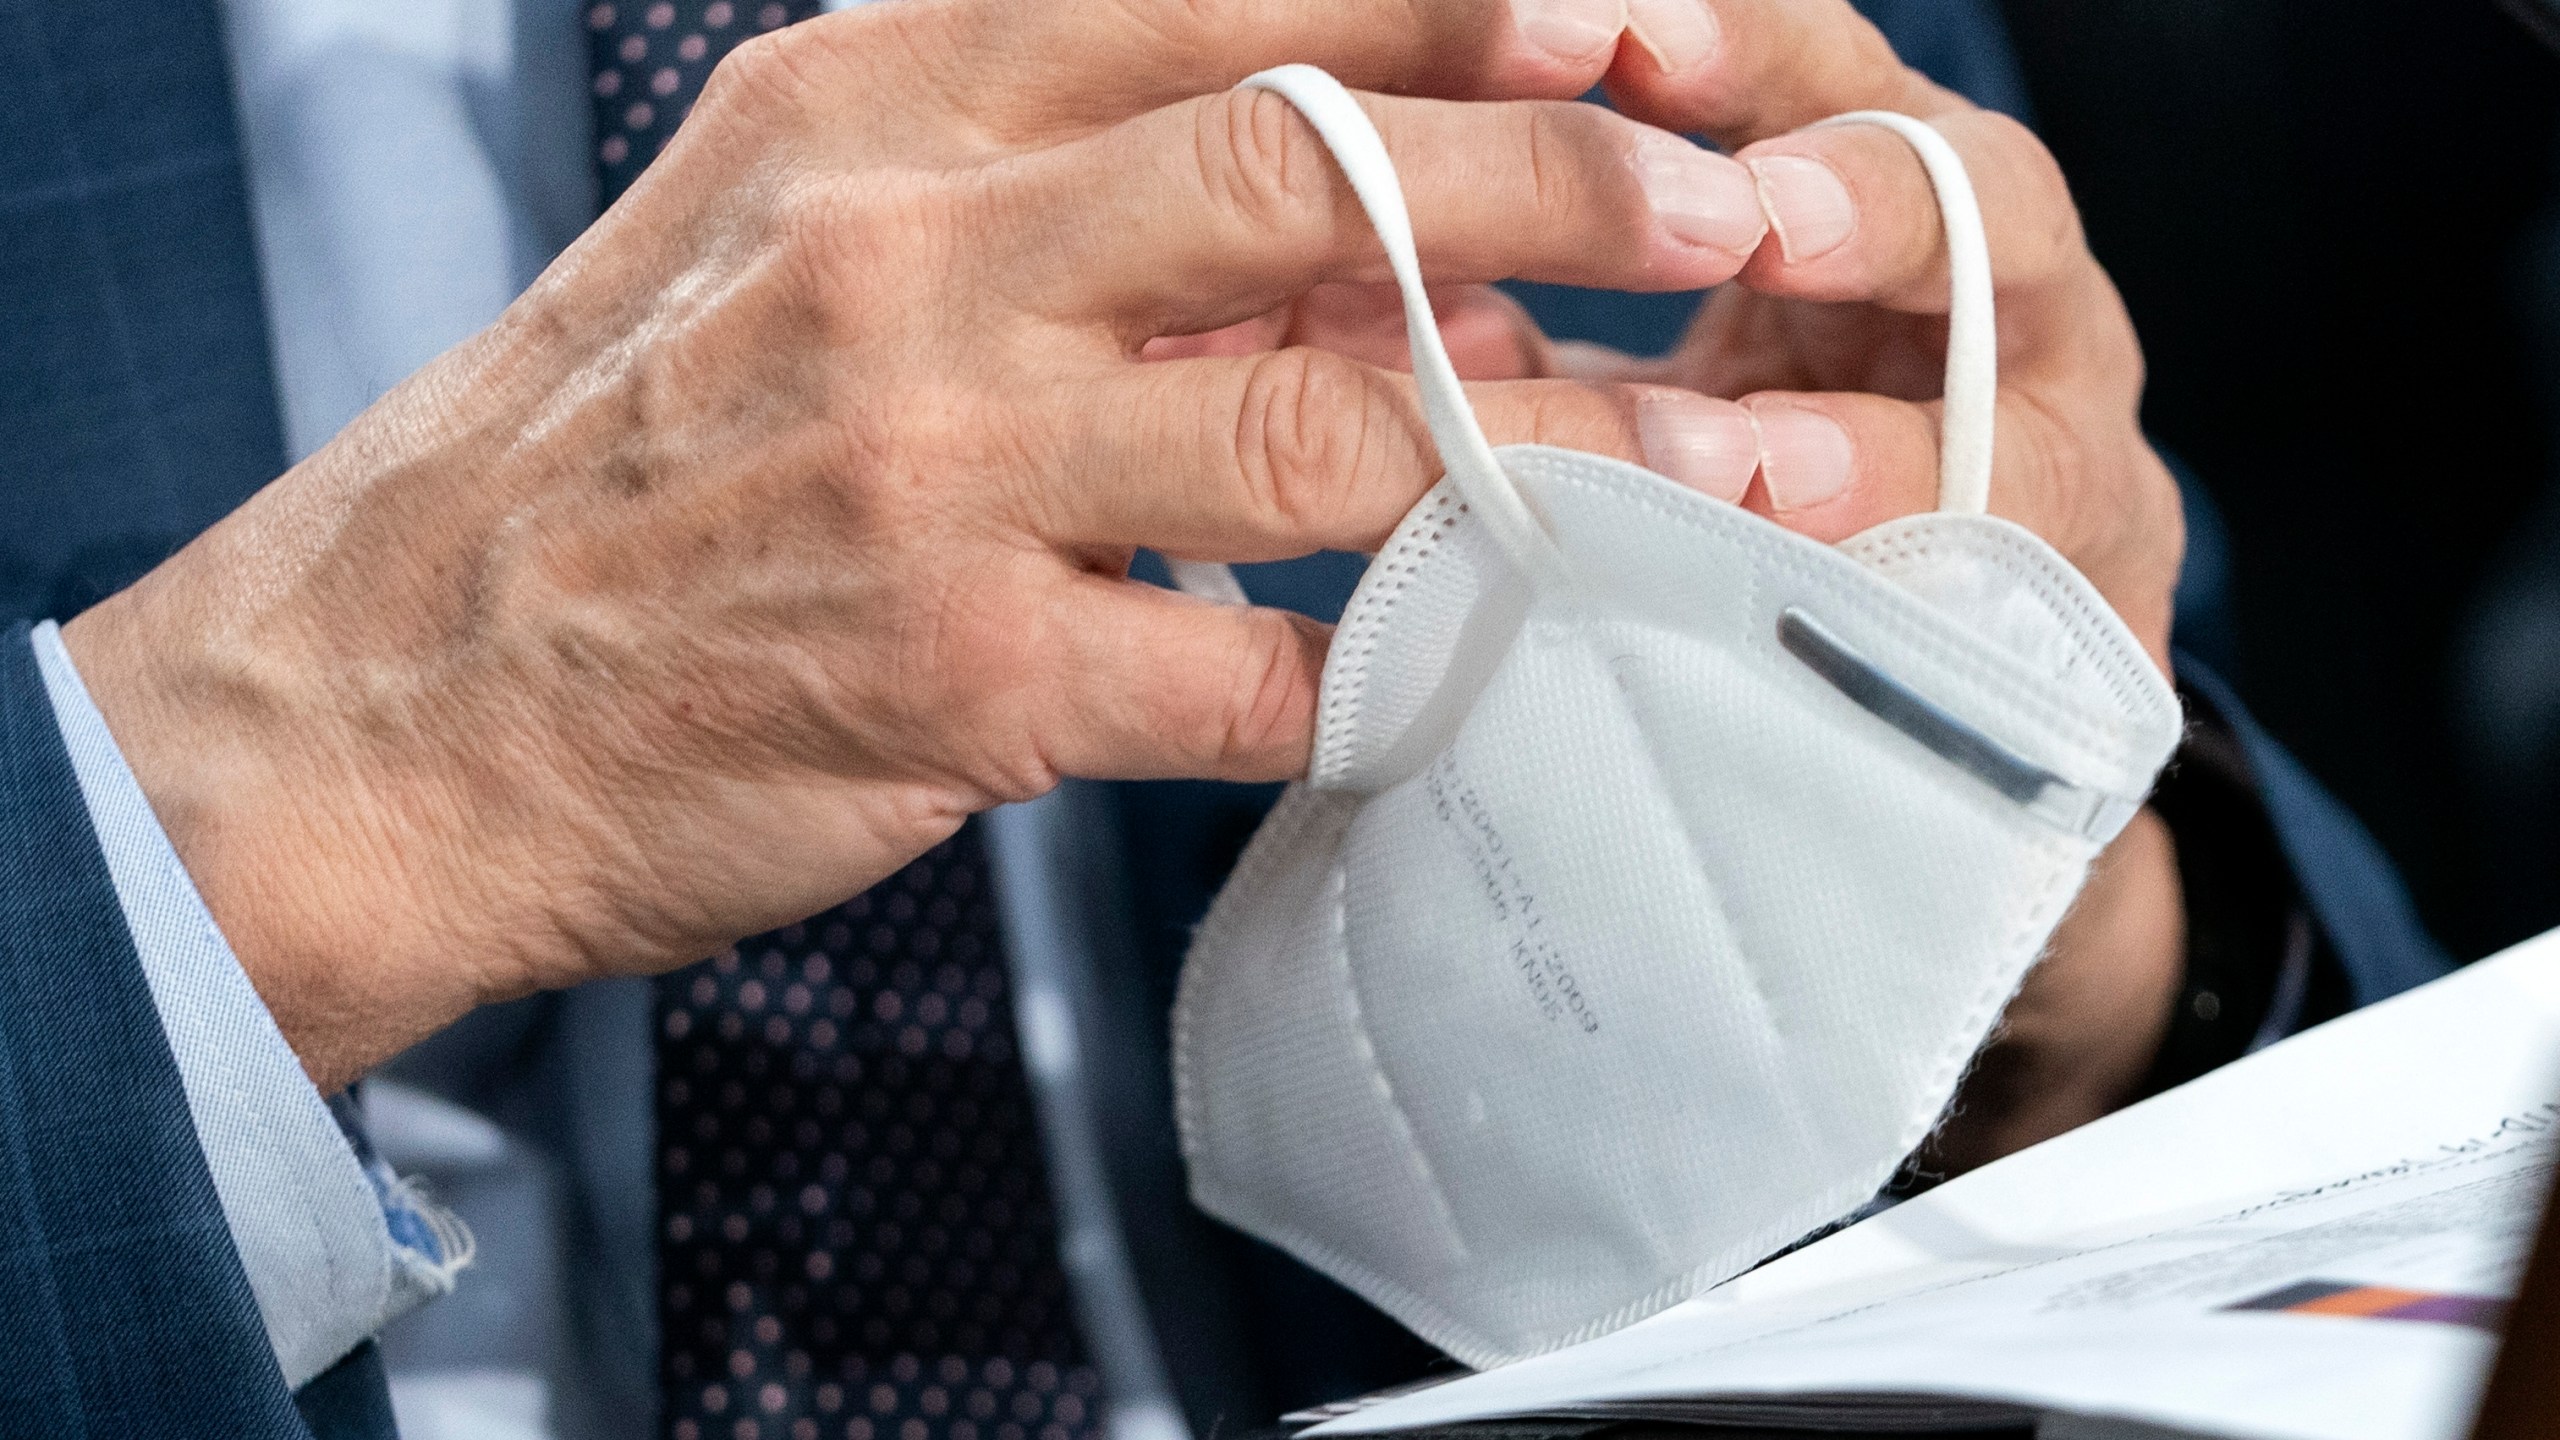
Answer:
[(124, 1309), (2349, 886), (2346, 883), (1961, 44)]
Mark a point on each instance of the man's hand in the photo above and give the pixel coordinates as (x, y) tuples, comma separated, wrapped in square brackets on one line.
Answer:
[(1833, 345), (784, 522), (1834, 342), (1826, 360)]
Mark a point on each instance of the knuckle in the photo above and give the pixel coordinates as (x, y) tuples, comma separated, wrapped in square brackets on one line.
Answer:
[(1565, 145), (2117, 364), (1553, 140), (1306, 437), (2056, 455), (2044, 237), (860, 252), (1019, 774), (1272, 696), (766, 72), (1597, 417), (1998, 133), (1258, 163), (994, 680)]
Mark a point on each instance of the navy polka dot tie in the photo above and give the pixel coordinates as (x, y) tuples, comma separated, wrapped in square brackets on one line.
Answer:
[(648, 59), (855, 1234)]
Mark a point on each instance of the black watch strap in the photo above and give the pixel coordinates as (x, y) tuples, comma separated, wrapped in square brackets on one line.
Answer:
[(2257, 965)]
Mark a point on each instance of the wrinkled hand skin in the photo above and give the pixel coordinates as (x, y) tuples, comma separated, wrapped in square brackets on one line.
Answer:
[(1823, 365), (784, 522)]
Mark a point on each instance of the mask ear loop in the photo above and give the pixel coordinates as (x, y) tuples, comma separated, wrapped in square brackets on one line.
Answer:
[(1465, 453), (1972, 390)]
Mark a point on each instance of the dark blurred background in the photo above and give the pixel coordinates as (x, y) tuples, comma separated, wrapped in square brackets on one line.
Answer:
[(2335, 224)]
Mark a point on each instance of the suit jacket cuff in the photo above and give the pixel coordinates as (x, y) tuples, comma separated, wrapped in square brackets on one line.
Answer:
[(334, 1246)]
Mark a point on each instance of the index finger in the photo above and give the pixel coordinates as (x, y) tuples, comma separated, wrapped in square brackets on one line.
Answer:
[(1740, 71), (1199, 214)]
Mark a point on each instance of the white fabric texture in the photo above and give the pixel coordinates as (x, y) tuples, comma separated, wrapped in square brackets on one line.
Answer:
[(1658, 872), (308, 1220)]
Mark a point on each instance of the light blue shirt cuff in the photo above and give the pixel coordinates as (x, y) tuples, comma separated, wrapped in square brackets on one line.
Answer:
[(334, 1247)]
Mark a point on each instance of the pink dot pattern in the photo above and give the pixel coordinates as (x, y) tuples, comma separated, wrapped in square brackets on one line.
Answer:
[(856, 1240), (648, 59)]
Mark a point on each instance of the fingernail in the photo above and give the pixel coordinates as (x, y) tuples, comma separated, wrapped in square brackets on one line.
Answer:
[(1570, 30), (1708, 445), (1702, 197), (1804, 455), (1678, 34), (1808, 205)]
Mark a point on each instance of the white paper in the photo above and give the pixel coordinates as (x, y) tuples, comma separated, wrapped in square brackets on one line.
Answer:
[(2108, 1272)]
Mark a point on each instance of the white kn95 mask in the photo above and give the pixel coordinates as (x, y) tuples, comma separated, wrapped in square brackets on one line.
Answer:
[(1658, 870)]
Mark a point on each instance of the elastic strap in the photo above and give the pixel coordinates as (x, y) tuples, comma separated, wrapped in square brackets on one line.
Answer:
[(1973, 339), (1972, 384), (1345, 129), (1468, 457)]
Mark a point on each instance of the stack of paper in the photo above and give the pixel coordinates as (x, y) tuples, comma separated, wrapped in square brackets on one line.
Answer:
[(2316, 1243)]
